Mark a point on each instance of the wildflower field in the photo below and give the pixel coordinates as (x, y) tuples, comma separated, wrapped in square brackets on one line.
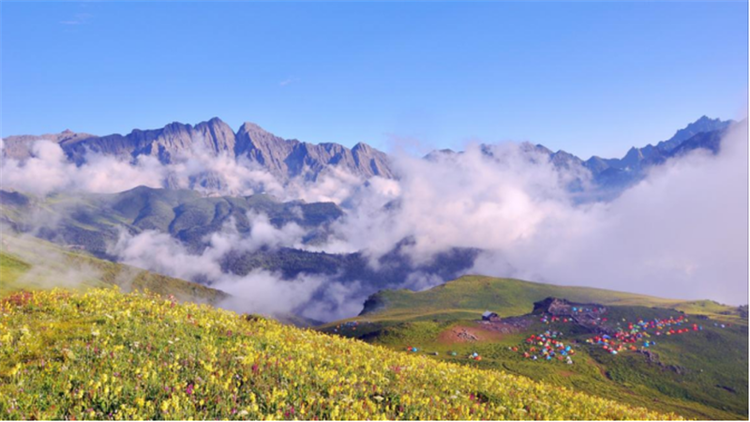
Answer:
[(103, 354)]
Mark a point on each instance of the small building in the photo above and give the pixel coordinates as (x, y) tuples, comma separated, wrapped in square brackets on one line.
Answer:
[(490, 316)]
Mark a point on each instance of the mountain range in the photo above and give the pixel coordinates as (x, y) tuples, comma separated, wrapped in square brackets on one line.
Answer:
[(609, 176), (284, 158), (291, 158)]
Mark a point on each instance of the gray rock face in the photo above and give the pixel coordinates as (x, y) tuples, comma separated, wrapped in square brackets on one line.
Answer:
[(292, 158), (283, 158), (168, 144), (264, 148), (702, 125)]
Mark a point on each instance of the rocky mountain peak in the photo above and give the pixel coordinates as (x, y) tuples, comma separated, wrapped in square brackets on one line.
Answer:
[(362, 147), (291, 158), (703, 124), (252, 128)]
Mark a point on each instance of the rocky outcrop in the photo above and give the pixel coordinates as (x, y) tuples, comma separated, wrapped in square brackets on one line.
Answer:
[(375, 303), (588, 315), (562, 307), (653, 358)]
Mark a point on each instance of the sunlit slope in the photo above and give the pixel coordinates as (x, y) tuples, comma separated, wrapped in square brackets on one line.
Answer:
[(103, 354), (30, 263), (469, 296), (700, 375)]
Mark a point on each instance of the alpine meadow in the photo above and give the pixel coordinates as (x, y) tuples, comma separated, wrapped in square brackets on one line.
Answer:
[(403, 211)]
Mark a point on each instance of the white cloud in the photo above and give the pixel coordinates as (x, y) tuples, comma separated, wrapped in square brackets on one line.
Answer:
[(48, 170), (680, 233), (288, 81), (259, 291)]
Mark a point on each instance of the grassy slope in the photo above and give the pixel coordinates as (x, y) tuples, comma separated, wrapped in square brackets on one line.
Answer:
[(93, 219), (712, 358), (29, 263), (471, 295), (108, 355)]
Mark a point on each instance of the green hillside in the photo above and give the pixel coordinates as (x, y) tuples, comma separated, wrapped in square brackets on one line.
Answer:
[(92, 220), (698, 374), (469, 296), (28, 263), (107, 355)]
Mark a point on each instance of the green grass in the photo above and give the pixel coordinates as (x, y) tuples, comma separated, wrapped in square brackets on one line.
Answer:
[(107, 355), (707, 361), (11, 269), (29, 263), (471, 295)]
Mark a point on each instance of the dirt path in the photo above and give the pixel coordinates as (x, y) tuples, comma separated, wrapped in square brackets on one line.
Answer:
[(469, 333)]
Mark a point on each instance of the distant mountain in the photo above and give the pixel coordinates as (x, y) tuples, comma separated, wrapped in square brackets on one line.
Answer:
[(92, 221), (691, 137), (18, 147), (702, 125), (637, 158), (610, 176), (705, 140), (284, 158)]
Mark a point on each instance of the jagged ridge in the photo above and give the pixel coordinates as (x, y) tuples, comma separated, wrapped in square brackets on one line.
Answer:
[(284, 158)]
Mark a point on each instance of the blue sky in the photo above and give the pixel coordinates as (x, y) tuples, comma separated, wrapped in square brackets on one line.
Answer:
[(587, 77)]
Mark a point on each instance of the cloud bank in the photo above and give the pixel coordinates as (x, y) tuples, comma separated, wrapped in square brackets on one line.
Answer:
[(680, 233), (259, 291)]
